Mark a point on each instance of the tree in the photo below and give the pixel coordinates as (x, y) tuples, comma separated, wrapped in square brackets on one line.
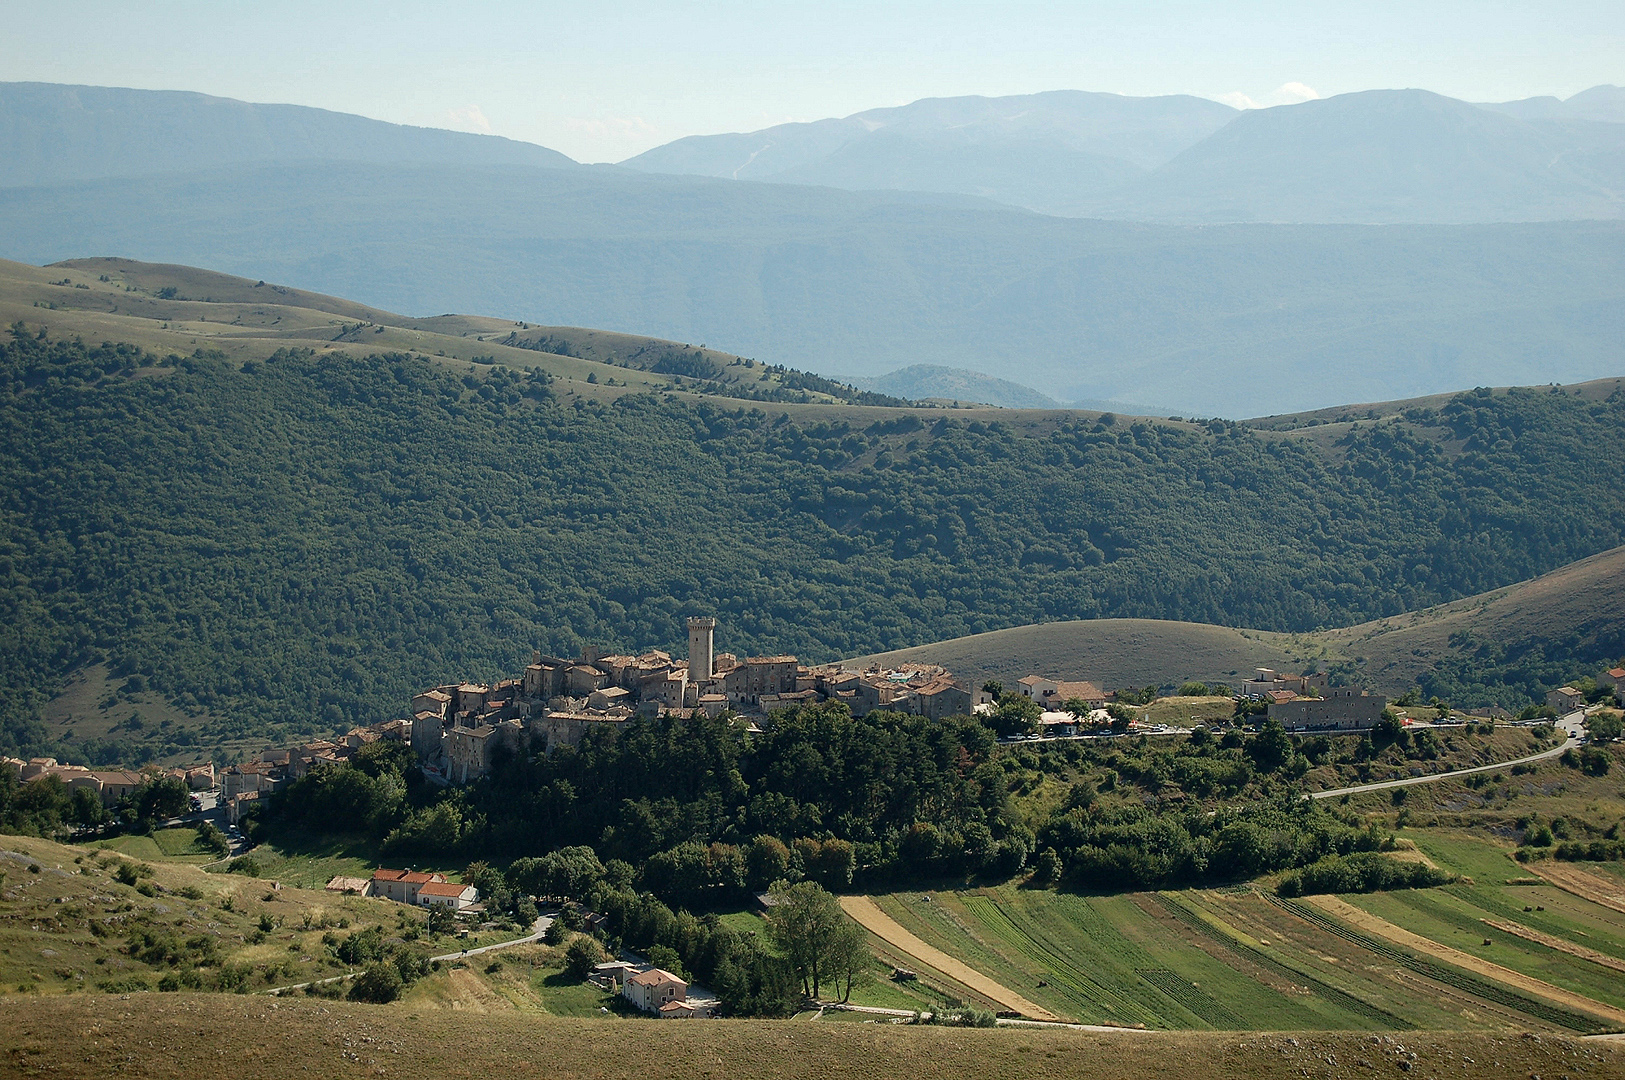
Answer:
[(1604, 727), (1271, 748), (441, 919), (803, 922), (849, 964), (1016, 715), (582, 956), (155, 800), (766, 861), (1077, 707), (665, 957), (212, 839)]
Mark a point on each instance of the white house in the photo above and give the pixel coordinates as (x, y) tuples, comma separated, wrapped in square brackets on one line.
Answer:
[(448, 894), (654, 988)]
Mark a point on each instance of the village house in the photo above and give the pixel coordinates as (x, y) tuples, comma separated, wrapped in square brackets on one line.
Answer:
[(448, 895), (1614, 677), (1267, 680), (649, 990), (401, 886), (350, 886), (1342, 709), (1565, 699)]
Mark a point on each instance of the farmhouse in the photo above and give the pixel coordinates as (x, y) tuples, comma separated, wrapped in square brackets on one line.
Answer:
[(1342, 709), (402, 886), (649, 990)]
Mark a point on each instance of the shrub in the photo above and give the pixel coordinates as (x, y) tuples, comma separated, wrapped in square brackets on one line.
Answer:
[(582, 956), (379, 984), (1361, 872)]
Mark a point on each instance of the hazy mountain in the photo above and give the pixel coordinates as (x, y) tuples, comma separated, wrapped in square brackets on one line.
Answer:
[(1378, 156), (1238, 320), (53, 133), (918, 382), (1387, 156), (1048, 152), (1603, 103)]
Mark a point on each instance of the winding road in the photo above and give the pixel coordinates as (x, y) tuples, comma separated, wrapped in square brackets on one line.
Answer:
[(1573, 724)]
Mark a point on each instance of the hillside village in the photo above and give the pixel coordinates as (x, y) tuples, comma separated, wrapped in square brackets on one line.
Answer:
[(456, 728)]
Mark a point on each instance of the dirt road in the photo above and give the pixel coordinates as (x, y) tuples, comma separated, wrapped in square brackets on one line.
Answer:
[(868, 914)]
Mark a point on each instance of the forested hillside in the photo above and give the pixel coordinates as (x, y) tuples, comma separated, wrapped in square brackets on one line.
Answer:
[(302, 541)]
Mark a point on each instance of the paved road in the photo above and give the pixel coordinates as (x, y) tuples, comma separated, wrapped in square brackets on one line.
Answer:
[(1573, 724), (538, 928)]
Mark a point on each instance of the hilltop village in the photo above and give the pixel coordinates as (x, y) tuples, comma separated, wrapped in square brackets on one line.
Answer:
[(454, 728)]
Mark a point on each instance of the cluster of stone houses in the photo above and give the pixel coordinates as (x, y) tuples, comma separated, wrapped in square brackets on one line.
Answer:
[(456, 729), (243, 784), (110, 784), (417, 888)]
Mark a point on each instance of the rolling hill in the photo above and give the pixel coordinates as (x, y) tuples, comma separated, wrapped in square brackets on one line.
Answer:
[(1234, 321), (269, 513), (1554, 627)]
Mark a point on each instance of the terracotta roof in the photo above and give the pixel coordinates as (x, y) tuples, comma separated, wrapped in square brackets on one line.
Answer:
[(411, 877), (654, 977), (937, 685), (676, 1006), (1032, 680), (443, 888), (1616, 673)]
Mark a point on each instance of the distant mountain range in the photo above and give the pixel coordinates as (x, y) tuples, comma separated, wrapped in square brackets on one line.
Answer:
[(54, 133), (1239, 320), (1378, 156)]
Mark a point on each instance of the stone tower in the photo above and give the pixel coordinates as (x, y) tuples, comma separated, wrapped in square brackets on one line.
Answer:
[(701, 647)]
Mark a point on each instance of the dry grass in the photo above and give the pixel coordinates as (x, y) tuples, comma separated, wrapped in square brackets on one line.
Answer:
[(1392, 652), (171, 1037)]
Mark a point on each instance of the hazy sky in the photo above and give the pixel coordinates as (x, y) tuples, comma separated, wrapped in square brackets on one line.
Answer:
[(602, 81)]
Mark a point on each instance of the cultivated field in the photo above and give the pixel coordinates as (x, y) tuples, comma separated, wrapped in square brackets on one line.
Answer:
[(1240, 959)]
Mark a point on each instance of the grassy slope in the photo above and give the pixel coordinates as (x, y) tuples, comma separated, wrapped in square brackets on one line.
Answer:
[(250, 320), (47, 947), (96, 1036), (1578, 598)]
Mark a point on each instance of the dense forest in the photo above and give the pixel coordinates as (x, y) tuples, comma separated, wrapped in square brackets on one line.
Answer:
[(297, 543)]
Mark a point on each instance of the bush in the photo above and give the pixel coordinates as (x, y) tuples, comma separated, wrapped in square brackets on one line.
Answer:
[(1361, 872), (379, 984)]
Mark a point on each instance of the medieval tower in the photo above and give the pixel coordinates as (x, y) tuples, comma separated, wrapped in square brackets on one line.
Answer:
[(701, 648)]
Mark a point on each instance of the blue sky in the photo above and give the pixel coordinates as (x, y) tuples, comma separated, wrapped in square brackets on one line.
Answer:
[(601, 81)]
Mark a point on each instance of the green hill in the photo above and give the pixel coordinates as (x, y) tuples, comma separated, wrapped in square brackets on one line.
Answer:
[(260, 518), (1507, 645)]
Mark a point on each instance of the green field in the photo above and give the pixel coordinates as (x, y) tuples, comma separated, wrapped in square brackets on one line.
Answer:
[(1234, 959), (173, 845)]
